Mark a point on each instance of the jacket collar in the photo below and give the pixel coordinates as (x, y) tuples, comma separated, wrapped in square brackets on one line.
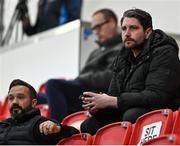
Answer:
[(25, 117), (158, 39)]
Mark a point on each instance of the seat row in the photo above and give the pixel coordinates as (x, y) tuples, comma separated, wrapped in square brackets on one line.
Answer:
[(159, 125), (156, 127)]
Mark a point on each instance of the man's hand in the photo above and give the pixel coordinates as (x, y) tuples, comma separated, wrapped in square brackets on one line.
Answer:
[(94, 101), (49, 127)]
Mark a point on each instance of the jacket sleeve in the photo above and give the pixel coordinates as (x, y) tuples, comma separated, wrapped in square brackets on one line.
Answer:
[(161, 82), (52, 139)]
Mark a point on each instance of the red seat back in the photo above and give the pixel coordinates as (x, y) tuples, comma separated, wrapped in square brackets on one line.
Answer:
[(113, 134), (164, 140), (44, 109), (5, 110), (0, 107), (76, 119), (77, 139), (151, 125), (42, 88), (176, 126)]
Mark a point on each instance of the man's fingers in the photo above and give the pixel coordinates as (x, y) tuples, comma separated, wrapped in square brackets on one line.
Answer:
[(49, 127), (88, 99), (87, 105), (40, 128), (93, 110), (89, 94), (44, 129)]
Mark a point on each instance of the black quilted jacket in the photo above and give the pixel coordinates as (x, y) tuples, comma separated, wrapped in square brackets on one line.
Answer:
[(151, 80)]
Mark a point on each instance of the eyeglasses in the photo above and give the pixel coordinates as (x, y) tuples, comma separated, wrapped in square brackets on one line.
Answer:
[(98, 26)]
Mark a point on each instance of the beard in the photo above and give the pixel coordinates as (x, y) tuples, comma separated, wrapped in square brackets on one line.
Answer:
[(17, 111), (132, 44)]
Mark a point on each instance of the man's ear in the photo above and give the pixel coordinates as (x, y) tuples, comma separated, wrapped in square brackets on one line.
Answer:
[(34, 102), (113, 24), (148, 32)]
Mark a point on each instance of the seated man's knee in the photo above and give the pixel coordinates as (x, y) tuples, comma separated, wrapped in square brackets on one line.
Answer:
[(51, 82), (132, 114), (90, 125)]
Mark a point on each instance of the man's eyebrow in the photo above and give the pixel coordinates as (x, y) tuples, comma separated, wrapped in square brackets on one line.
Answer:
[(9, 94), (21, 94)]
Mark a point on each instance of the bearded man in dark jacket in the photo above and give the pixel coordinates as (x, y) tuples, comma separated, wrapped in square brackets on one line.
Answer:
[(146, 75), (26, 126), (63, 95)]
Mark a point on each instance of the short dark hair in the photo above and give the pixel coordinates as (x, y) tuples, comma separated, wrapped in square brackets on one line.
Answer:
[(143, 17), (108, 14), (16, 82)]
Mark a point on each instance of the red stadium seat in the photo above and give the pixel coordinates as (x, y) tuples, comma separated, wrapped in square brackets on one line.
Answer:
[(0, 107), (42, 88), (5, 110), (113, 134), (44, 109), (77, 139), (164, 140), (76, 119), (176, 126), (151, 125)]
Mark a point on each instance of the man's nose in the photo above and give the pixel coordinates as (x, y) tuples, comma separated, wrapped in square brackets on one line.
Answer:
[(15, 100), (127, 32)]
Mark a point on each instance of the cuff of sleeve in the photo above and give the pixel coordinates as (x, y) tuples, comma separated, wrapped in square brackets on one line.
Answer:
[(118, 102)]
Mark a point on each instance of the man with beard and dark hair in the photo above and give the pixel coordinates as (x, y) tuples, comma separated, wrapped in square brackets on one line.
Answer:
[(146, 75), (26, 125)]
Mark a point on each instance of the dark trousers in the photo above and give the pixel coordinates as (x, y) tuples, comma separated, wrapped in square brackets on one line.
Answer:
[(94, 123), (63, 97)]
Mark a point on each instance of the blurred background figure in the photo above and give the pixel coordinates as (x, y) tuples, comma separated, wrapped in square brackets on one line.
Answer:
[(70, 10), (62, 95), (51, 13)]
